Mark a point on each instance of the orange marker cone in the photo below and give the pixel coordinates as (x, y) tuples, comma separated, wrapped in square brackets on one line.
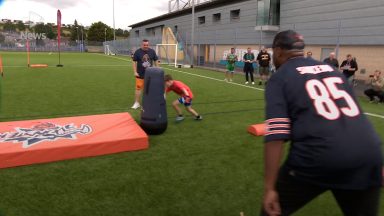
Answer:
[(1, 66), (257, 129)]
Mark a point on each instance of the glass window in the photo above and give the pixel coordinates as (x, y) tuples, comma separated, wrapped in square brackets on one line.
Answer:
[(201, 20), (216, 17), (235, 15), (268, 12)]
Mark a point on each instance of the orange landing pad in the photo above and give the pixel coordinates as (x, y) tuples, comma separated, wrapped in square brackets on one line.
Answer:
[(47, 140), (38, 65), (257, 129)]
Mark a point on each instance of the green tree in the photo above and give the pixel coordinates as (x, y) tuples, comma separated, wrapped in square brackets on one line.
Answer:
[(49, 31), (100, 32), (39, 29), (2, 38), (8, 26), (20, 25), (75, 35)]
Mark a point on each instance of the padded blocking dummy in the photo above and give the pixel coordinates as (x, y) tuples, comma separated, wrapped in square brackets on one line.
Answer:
[(154, 113)]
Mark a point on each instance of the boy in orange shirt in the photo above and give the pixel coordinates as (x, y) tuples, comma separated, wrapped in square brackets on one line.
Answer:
[(186, 97)]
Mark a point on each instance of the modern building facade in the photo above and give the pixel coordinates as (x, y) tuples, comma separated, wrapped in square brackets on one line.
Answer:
[(343, 26)]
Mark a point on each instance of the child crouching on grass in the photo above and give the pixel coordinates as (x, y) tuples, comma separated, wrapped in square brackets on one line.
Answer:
[(186, 97)]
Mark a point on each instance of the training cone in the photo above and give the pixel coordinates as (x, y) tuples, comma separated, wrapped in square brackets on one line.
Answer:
[(257, 129)]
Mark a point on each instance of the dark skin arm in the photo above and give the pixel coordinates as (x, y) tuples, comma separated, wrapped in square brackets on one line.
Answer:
[(273, 152)]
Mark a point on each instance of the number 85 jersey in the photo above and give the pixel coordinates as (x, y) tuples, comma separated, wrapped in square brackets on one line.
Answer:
[(332, 142)]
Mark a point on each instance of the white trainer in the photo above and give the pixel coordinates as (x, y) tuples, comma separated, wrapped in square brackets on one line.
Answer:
[(246, 82), (136, 105), (253, 83)]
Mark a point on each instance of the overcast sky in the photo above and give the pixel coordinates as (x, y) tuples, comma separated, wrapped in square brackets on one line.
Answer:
[(86, 12)]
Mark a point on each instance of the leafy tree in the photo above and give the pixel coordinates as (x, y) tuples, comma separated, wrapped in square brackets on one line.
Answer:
[(100, 32), (8, 26), (74, 32), (122, 33), (49, 31), (2, 38), (20, 25), (40, 29)]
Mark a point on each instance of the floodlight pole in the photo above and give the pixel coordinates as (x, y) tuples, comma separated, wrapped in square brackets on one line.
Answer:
[(78, 37), (114, 31), (193, 32), (82, 38), (105, 36)]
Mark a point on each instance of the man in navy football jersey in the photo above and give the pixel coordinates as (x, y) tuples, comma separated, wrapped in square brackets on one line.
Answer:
[(332, 144)]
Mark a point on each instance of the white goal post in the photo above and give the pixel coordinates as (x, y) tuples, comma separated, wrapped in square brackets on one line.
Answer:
[(167, 53), (107, 50)]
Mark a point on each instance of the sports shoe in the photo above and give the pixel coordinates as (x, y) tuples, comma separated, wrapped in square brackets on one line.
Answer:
[(135, 105), (230, 80), (246, 82), (253, 83), (179, 118), (199, 117), (225, 80)]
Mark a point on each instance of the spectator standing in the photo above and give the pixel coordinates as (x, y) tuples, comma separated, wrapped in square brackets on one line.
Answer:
[(231, 60), (349, 67), (264, 60), (331, 60), (309, 54), (248, 59)]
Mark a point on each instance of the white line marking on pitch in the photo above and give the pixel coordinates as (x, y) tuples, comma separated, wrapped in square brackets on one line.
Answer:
[(260, 89)]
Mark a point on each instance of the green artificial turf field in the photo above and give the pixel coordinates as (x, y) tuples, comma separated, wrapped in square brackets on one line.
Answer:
[(196, 168)]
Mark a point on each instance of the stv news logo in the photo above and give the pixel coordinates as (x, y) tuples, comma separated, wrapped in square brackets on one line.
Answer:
[(33, 20), (33, 36), (44, 132)]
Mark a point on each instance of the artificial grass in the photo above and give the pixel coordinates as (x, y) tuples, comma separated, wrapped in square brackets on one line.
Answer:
[(209, 167)]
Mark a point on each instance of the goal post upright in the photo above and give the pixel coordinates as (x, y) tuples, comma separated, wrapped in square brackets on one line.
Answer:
[(158, 51)]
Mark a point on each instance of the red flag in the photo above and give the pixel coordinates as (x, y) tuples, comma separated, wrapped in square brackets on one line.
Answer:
[(58, 28)]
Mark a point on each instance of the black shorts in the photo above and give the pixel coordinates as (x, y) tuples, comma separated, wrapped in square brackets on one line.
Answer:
[(294, 194)]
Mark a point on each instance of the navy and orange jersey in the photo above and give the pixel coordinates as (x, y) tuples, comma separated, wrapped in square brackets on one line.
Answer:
[(178, 87), (332, 142)]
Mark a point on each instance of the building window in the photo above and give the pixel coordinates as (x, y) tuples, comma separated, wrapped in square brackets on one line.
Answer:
[(216, 17), (137, 33), (201, 20), (235, 15), (151, 32), (268, 12)]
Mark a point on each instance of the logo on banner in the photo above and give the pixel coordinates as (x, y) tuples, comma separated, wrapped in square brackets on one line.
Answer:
[(44, 132)]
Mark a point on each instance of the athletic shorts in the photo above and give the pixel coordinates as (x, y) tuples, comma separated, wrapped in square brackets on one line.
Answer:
[(182, 101), (139, 83), (264, 71), (231, 68)]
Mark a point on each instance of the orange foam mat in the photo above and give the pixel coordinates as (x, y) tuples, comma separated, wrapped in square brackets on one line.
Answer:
[(257, 129), (47, 140)]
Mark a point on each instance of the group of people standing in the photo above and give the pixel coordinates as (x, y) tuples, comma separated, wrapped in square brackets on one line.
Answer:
[(263, 59), (349, 67)]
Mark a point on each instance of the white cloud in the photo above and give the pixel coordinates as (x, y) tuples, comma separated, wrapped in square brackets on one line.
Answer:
[(86, 12)]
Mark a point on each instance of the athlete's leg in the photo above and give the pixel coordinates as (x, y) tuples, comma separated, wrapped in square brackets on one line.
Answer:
[(293, 194), (358, 202), (175, 105)]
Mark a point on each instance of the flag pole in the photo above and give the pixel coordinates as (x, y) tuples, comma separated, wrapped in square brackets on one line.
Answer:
[(59, 36)]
